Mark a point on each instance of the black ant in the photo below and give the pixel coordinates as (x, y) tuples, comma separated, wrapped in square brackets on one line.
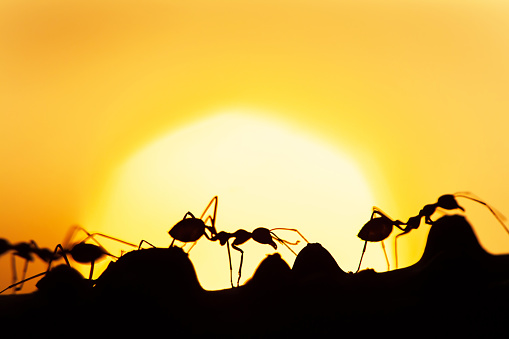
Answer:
[(82, 252), (379, 228), (261, 235), (86, 253), (192, 229), (24, 250)]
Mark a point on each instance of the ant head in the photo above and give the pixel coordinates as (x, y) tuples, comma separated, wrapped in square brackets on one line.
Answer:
[(448, 202), (5, 245), (222, 236)]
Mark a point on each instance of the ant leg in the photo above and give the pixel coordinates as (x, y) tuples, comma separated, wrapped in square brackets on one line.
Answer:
[(59, 247), (241, 260), (22, 282), (284, 242), (386, 258), (396, 247), (14, 272), (378, 211), (25, 269), (362, 255), (75, 229), (291, 229), (230, 260), (70, 234), (212, 218), (144, 241), (500, 218), (107, 237), (93, 235), (189, 250), (91, 270)]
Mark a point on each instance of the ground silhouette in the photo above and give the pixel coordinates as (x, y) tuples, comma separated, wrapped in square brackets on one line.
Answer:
[(456, 288)]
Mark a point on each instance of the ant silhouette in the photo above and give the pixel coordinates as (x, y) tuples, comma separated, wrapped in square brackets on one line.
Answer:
[(261, 235), (191, 229), (86, 253), (24, 250), (81, 252), (379, 228)]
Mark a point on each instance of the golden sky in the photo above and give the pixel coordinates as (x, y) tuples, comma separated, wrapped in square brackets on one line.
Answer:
[(413, 93)]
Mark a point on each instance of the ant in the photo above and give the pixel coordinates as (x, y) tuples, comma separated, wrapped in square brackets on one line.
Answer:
[(192, 229), (24, 250), (86, 253), (82, 252), (261, 235), (378, 229)]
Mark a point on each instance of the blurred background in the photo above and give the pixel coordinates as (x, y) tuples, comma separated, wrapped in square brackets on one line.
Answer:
[(121, 116)]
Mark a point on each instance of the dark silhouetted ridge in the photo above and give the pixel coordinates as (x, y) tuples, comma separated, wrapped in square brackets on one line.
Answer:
[(62, 282), (453, 255), (452, 237), (155, 274), (315, 262), (273, 271)]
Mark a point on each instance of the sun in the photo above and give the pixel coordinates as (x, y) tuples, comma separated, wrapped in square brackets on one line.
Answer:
[(266, 174)]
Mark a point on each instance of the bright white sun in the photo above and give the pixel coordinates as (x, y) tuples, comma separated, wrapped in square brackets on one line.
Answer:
[(265, 174)]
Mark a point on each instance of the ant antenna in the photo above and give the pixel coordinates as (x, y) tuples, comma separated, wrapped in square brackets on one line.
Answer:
[(499, 216), (291, 229), (92, 235), (286, 242)]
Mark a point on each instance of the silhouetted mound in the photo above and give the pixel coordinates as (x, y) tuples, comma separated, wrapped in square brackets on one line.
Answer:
[(272, 272), (316, 263), (155, 276), (452, 237), (149, 288), (455, 289), (64, 282), (453, 256)]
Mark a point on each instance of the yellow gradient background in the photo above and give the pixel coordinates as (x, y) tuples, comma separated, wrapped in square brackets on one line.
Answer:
[(412, 94)]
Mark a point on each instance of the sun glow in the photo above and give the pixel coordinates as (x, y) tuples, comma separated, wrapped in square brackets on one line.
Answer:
[(265, 173)]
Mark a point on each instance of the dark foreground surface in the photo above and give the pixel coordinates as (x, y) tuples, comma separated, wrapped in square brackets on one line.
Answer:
[(456, 289)]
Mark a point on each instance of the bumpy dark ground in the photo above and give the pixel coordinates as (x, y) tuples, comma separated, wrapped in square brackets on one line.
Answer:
[(456, 289)]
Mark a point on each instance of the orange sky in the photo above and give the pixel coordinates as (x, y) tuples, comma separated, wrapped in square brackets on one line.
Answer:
[(413, 91)]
